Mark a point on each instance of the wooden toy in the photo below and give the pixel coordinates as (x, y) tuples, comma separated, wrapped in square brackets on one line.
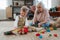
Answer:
[(37, 34), (51, 28), (55, 35), (43, 31), (40, 36)]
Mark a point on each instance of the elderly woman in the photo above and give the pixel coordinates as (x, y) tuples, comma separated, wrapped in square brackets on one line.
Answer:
[(41, 16)]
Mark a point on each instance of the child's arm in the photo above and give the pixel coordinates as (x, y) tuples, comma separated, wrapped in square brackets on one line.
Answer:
[(16, 22)]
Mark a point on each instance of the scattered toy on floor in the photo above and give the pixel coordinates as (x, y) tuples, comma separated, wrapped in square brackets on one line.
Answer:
[(51, 28), (23, 31), (50, 35), (40, 36), (55, 35), (37, 34), (55, 28), (48, 30), (42, 32)]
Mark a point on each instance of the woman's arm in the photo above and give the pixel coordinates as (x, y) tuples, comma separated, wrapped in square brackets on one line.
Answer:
[(47, 16), (34, 19)]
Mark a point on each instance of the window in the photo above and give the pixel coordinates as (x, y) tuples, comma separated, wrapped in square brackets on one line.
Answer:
[(3, 4), (47, 3)]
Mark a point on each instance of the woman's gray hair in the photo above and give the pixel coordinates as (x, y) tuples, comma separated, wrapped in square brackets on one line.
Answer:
[(24, 8), (41, 4)]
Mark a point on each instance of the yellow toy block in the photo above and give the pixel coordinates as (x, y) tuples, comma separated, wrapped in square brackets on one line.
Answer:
[(51, 28)]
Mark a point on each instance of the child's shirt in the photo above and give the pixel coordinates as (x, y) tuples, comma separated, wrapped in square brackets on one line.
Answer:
[(19, 21)]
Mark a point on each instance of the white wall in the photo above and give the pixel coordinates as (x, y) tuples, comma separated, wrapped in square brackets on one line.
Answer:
[(55, 3), (2, 14), (9, 2), (3, 11)]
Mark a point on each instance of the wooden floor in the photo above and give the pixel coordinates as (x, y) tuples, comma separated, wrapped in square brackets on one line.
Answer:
[(8, 25)]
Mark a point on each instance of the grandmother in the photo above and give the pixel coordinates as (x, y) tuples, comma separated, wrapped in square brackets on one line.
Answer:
[(41, 16)]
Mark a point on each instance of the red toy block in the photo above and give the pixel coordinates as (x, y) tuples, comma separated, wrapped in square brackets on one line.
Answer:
[(55, 35), (37, 34), (43, 32), (25, 29)]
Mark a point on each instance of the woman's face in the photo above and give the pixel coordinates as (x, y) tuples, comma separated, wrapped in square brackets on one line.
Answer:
[(39, 8)]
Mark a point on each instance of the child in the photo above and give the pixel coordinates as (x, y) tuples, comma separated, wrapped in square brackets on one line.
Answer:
[(19, 21)]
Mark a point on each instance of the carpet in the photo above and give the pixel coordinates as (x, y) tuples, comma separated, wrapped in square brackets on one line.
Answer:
[(9, 25)]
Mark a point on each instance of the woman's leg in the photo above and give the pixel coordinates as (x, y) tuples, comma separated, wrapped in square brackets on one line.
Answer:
[(46, 24)]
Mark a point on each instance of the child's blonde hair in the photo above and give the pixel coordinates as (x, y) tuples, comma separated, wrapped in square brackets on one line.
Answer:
[(24, 8)]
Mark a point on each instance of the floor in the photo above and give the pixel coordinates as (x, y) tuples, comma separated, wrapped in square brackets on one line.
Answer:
[(8, 25)]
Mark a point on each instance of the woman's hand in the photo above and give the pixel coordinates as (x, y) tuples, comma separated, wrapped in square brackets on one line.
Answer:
[(39, 24)]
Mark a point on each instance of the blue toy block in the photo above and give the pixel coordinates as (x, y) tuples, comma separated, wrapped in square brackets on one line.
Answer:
[(48, 30), (40, 36)]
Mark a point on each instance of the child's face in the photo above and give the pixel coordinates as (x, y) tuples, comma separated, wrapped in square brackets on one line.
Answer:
[(22, 13)]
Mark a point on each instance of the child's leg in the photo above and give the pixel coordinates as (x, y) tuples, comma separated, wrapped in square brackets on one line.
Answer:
[(16, 30)]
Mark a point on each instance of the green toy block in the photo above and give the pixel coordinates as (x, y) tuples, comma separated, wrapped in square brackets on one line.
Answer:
[(54, 28), (50, 35)]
